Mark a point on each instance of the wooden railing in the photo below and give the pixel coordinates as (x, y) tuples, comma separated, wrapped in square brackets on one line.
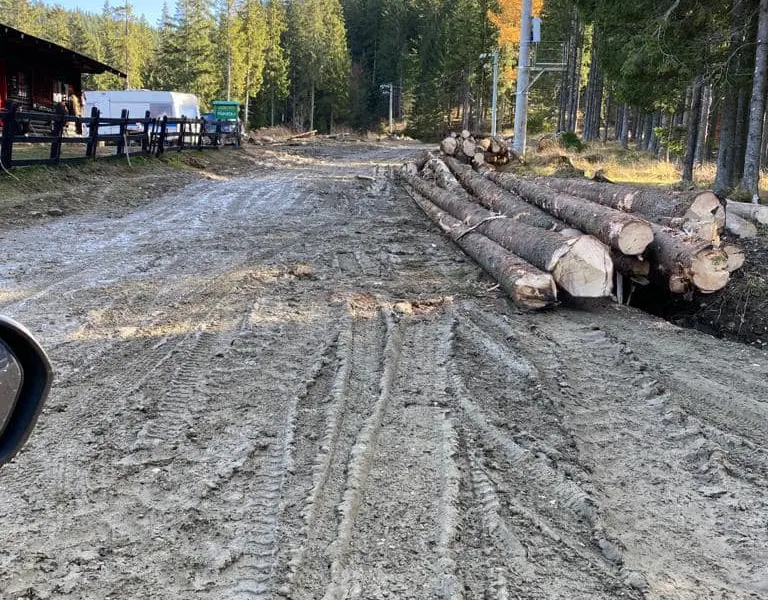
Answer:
[(147, 136)]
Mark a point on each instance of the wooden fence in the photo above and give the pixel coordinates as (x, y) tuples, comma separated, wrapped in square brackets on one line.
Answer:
[(39, 138)]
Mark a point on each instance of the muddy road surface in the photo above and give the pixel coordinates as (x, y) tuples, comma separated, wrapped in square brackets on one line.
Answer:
[(289, 385)]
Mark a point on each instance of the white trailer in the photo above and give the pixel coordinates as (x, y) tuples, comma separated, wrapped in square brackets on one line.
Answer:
[(111, 103)]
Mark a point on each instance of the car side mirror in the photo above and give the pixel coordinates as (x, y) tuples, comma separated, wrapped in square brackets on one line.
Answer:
[(25, 379)]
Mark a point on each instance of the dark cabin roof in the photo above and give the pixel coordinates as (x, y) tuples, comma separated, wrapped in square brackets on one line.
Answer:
[(17, 43)]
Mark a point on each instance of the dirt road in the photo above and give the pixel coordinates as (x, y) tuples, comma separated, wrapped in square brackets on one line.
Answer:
[(290, 385)]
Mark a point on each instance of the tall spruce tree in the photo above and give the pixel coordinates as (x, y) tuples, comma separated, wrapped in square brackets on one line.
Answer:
[(275, 86), (321, 60), (253, 30), (192, 53)]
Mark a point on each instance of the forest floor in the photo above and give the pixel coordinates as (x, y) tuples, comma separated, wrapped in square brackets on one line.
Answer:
[(276, 379)]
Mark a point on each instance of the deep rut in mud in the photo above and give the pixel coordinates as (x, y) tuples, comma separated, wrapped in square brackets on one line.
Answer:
[(289, 385)]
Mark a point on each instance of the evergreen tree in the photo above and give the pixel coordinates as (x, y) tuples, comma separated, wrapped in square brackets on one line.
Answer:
[(321, 58), (253, 32), (276, 85), (232, 48), (160, 74), (191, 55)]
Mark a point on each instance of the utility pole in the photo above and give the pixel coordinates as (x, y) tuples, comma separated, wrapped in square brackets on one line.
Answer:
[(523, 69), (388, 88), (127, 70), (494, 99)]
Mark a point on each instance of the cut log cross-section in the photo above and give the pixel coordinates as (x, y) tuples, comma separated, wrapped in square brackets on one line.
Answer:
[(626, 233), (581, 266), (686, 261), (529, 287)]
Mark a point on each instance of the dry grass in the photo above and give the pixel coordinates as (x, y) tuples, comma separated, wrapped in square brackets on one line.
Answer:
[(277, 133), (624, 166)]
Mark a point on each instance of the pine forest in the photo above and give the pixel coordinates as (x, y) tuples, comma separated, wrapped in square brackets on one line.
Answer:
[(683, 80)]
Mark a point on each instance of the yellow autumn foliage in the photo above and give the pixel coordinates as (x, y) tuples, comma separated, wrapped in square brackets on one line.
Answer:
[(507, 20)]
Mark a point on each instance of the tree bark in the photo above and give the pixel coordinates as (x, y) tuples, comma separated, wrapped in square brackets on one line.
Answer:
[(312, 108), (701, 139), (757, 213), (436, 170), (693, 130), (740, 141), (626, 233), (527, 286), (740, 226), (573, 262), (650, 203), (625, 127), (594, 98), (757, 108), (502, 201)]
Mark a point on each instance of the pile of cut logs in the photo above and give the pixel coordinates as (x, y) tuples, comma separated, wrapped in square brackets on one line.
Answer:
[(540, 236), (489, 150)]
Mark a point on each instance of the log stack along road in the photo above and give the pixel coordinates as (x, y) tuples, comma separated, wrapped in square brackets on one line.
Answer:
[(291, 384)]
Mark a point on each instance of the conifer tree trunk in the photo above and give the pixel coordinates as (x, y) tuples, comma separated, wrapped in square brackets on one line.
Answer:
[(693, 129), (653, 142), (764, 144), (726, 147), (701, 140), (625, 127), (714, 116), (740, 140), (757, 108), (573, 100), (594, 99), (312, 107), (648, 134), (608, 107)]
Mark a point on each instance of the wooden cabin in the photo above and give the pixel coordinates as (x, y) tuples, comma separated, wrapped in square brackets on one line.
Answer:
[(36, 73)]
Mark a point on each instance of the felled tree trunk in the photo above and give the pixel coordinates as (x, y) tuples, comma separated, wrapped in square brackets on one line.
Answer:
[(529, 287), (581, 266), (688, 262), (626, 233), (499, 200), (752, 212), (702, 205), (631, 266), (436, 170), (740, 226)]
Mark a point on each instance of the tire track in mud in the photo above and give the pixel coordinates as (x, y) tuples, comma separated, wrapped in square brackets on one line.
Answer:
[(649, 458), (249, 567), (359, 466), (325, 458), (560, 521), (398, 517)]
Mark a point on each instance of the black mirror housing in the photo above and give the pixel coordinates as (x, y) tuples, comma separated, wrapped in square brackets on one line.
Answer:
[(37, 377)]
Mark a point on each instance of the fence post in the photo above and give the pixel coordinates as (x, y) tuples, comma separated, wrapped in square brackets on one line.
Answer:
[(58, 132), (200, 133), (182, 132), (145, 135), (217, 139), (239, 133), (93, 134), (123, 132), (161, 138), (9, 131)]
